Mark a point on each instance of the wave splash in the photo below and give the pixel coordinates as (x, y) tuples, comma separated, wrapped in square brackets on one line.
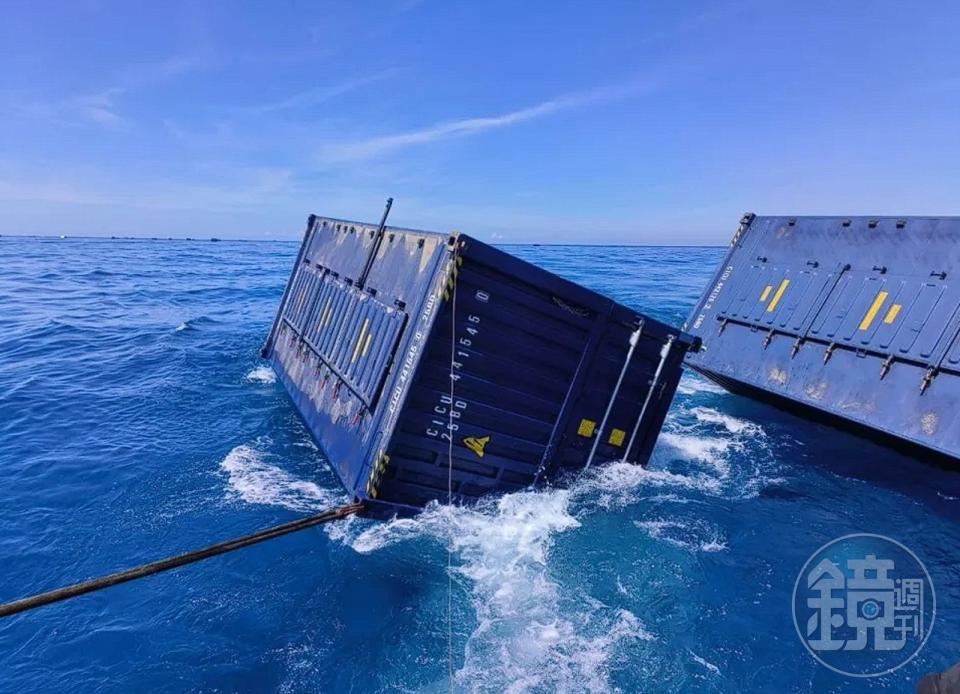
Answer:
[(261, 374), (254, 480), (530, 633)]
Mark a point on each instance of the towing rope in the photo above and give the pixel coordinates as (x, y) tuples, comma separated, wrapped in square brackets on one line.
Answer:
[(95, 584)]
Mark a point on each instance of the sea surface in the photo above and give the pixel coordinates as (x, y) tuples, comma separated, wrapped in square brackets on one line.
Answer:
[(137, 421)]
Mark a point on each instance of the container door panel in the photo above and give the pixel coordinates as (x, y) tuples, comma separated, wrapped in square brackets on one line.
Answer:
[(933, 332), (836, 307), (796, 299), (916, 320), (352, 333), (741, 294), (952, 360), (865, 304)]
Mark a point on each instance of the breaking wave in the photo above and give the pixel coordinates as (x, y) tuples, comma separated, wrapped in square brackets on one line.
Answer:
[(691, 384), (261, 374), (533, 629), (530, 633), (250, 478)]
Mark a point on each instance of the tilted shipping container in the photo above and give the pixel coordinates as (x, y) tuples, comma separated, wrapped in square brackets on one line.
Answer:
[(851, 320), (420, 360)]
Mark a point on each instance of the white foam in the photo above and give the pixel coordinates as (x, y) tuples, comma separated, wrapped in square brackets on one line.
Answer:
[(530, 634), (691, 384), (706, 449), (253, 480), (708, 665), (734, 425), (617, 483), (694, 536), (183, 326), (261, 374)]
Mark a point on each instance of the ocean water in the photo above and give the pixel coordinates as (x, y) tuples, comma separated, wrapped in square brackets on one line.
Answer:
[(136, 421)]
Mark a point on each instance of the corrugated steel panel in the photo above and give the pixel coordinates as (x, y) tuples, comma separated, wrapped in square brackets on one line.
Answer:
[(854, 320), (534, 361)]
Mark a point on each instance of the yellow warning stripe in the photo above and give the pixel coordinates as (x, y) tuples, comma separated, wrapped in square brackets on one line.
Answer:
[(766, 292), (366, 345), (892, 314), (326, 313), (874, 308), (356, 348), (776, 297)]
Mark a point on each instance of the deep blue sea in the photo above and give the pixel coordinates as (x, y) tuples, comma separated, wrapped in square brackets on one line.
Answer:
[(136, 421)]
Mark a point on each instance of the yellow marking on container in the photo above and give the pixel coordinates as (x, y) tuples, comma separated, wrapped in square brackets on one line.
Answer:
[(892, 314), (477, 445), (874, 308), (779, 294), (366, 345), (326, 313), (356, 349), (766, 292), (587, 427), (617, 436)]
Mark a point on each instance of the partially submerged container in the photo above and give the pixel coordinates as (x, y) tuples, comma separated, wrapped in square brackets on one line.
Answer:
[(425, 364), (849, 320)]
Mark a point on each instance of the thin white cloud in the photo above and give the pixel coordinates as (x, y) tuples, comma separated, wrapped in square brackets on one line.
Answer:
[(377, 146), (313, 97), (101, 108)]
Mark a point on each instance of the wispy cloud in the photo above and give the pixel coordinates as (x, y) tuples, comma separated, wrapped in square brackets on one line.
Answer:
[(376, 146), (102, 107), (144, 73), (99, 108), (313, 97)]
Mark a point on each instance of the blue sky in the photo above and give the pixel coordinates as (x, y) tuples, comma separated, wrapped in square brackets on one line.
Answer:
[(592, 122)]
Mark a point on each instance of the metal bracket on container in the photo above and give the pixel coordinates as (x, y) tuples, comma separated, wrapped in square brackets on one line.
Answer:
[(927, 380), (745, 222), (769, 338), (634, 339), (829, 353), (375, 246), (664, 353), (574, 390), (885, 367)]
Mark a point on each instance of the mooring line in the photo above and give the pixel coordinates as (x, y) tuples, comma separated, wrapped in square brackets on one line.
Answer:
[(144, 570)]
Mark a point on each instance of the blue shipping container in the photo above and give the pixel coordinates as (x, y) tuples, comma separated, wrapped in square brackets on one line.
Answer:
[(419, 360), (850, 320)]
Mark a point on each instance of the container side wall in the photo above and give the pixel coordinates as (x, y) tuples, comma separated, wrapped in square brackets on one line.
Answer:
[(856, 318), (534, 361)]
